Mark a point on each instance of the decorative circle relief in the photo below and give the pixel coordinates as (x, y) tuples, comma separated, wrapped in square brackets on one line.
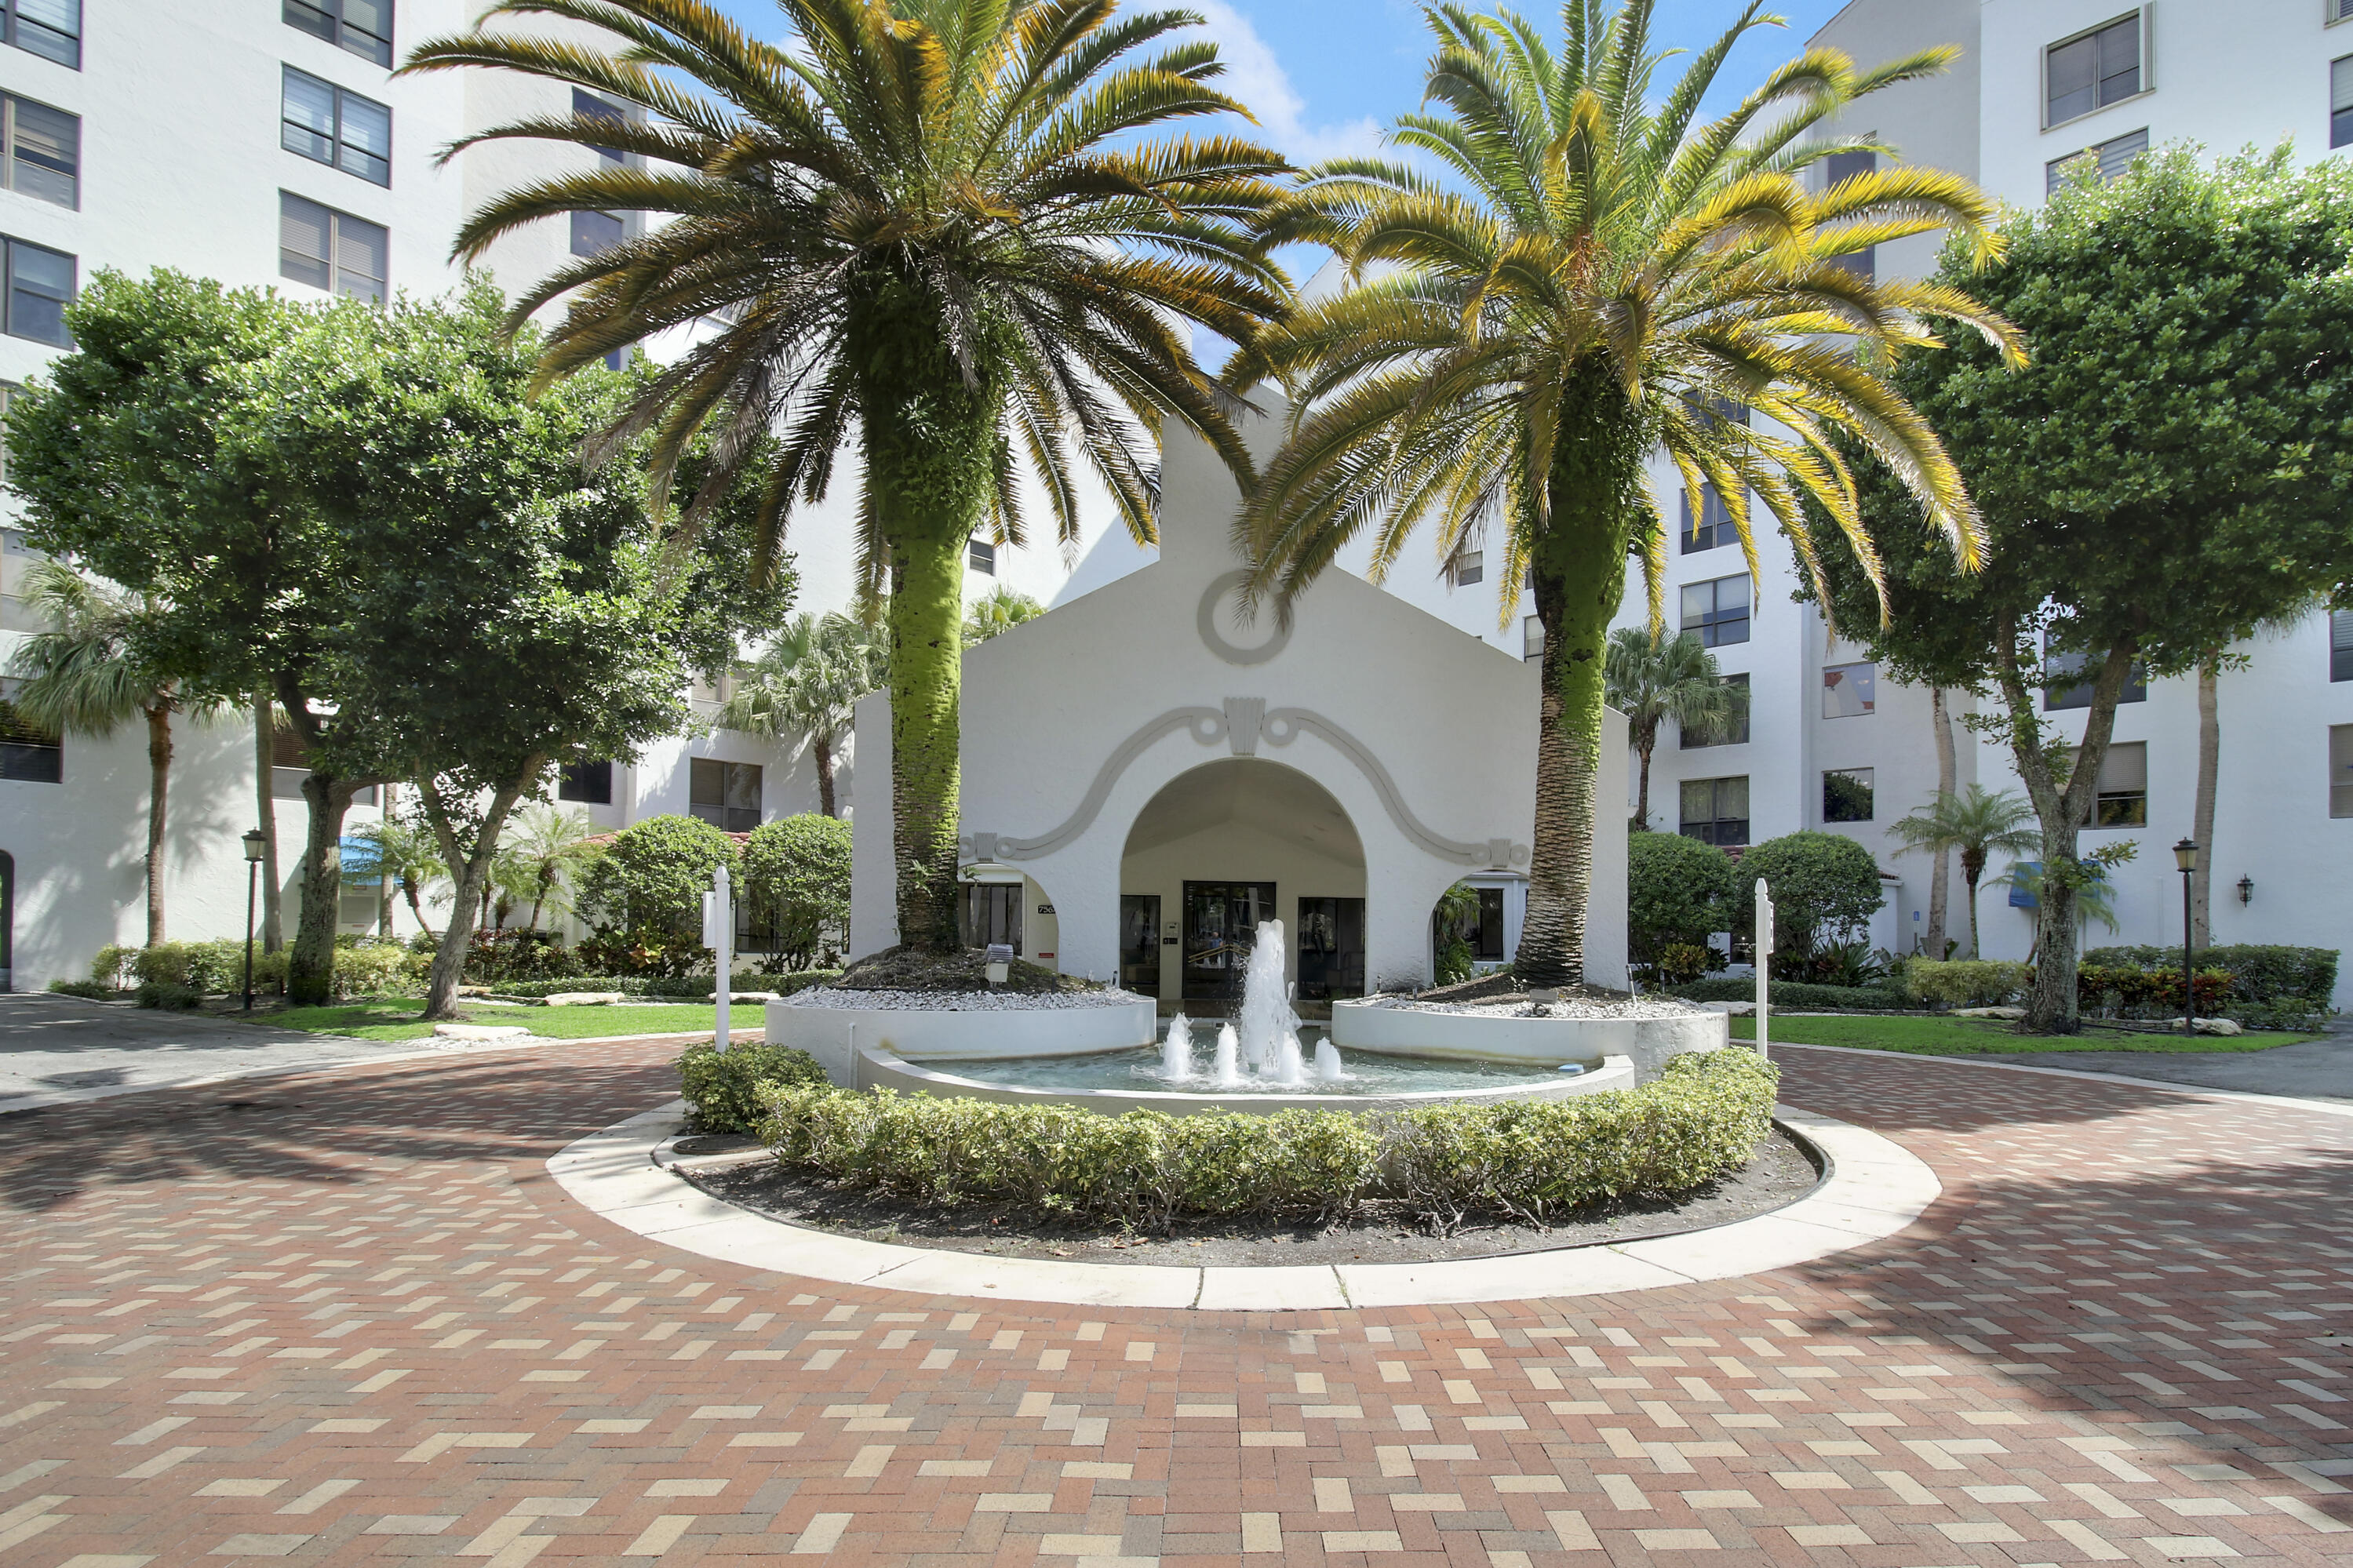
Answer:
[(1215, 640)]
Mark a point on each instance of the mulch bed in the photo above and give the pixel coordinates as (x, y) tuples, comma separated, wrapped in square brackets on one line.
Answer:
[(1780, 1172), (1498, 985), (967, 969)]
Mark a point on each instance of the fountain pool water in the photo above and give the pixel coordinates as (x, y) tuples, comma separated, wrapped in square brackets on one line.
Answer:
[(1142, 1068)]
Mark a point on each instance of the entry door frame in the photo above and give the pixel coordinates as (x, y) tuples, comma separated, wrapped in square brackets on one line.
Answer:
[(1222, 981)]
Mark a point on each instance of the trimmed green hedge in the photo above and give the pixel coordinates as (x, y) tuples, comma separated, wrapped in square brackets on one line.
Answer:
[(722, 1087), (89, 990), (693, 987), (2287, 980), (1967, 981), (1530, 1159), (1795, 994)]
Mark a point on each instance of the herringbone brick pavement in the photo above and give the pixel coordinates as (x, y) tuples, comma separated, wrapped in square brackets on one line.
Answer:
[(348, 1318)]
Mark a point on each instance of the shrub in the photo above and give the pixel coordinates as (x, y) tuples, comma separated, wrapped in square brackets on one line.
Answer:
[(1680, 962), (1824, 887), (495, 956), (380, 969), (693, 987), (89, 990), (168, 994), (1967, 981), (1848, 963), (1527, 1158), (112, 967), (1795, 994), (1678, 893), (2262, 975), (720, 1088), (644, 896), (2122, 991), (796, 884)]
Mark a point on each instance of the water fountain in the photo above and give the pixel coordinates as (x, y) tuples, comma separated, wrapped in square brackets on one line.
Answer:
[(1229, 1072), (1269, 1026), (1177, 1051)]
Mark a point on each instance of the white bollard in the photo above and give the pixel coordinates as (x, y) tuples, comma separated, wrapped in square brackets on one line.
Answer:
[(719, 936), (1764, 966)]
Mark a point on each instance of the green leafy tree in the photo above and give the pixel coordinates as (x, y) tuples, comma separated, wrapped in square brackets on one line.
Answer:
[(999, 610), (644, 893), (1598, 275), (1654, 678), (1679, 892), (2095, 902), (797, 876), (1824, 887), (1455, 915), (1977, 823), (808, 682), (88, 673), (2169, 474), (948, 229)]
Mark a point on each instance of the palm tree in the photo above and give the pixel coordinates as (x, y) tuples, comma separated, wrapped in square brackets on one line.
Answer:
[(545, 841), (808, 682), (85, 675), (404, 853), (1976, 822), (1651, 679), (1589, 281), (943, 228), (2095, 900), (999, 610)]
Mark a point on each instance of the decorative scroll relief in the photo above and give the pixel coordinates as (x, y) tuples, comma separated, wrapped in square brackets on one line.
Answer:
[(1242, 722)]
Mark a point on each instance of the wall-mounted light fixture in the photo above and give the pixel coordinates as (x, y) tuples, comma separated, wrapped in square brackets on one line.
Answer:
[(2246, 888)]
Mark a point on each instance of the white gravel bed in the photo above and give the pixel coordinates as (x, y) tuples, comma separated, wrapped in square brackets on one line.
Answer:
[(962, 1000), (1637, 1007)]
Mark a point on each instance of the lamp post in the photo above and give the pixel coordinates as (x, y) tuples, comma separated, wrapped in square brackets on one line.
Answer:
[(2185, 855), (253, 847)]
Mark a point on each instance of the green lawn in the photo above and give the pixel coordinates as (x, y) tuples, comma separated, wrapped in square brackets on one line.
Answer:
[(1981, 1036), (395, 1019)]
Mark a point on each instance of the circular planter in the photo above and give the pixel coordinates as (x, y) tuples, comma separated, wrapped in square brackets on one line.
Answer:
[(835, 1036), (1426, 1032)]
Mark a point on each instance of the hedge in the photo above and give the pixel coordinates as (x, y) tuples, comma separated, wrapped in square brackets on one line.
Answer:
[(1967, 981), (722, 1087), (1795, 994), (691, 988), (2285, 979), (1527, 1158), (167, 973)]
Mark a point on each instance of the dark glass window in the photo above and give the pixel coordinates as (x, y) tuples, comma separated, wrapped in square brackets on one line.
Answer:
[(1850, 691), (725, 794), (2079, 674), (40, 286), (28, 754), (2340, 101), (332, 250), (2340, 645), (362, 27), (40, 150), (991, 915), (589, 106), (321, 121), (2340, 770), (2092, 70), (980, 555), (591, 783), (1863, 263), (1735, 734), (2122, 798), (2111, 158), (1716, 810), (1846, 795), (1531, 636), (1713, 524), (1717, 610), (594, 233), (49, 28), (1469, 566)]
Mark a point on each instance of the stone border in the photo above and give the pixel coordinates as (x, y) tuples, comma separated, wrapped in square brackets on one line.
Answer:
[(1872, 1188)]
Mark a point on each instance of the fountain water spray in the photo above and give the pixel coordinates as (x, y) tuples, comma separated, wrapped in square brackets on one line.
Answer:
[(1327, 1061), (1289, 1067), (1177, 1051), (1266, 1015), (1228, 1071)]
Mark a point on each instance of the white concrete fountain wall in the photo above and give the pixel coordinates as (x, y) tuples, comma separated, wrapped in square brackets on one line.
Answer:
[(1370, 1025), (835, 1036)]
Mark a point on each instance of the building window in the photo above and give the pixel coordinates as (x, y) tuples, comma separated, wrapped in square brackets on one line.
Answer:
[(40, 286), (1469, 566), (2340, 770), (980, 555), (1713, 524), (594, 233), (2111, 158), (991, 914), (1863, 263), (28, 754), (591, 783), (2079, 675), (1717, 610), (725, 794), (1850, 691), (1735, 734), (2092, 70), (10, 541), (332, 250), (1716, 810), (2340, 635), (589, 106), (319, 121), (40, 150), (2340, 101), (2122, 798), (1531, 636), (362, 27), (1846, 795), (49, 28)]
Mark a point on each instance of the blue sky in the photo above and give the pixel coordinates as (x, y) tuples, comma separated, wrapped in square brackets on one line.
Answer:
[(1324, 75)]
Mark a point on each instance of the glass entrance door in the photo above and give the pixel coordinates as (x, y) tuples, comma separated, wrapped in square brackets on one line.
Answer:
[(1220, 924), (1331, 948), (1139, 942)]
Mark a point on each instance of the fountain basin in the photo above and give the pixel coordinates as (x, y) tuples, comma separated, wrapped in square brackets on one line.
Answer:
[(835, 1036), (1647, 1042)]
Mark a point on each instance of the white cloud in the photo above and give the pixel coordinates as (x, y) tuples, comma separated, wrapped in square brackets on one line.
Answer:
[(1256, 78)]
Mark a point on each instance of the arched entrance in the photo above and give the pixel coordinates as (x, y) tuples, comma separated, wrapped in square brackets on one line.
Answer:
[(1221, 848), (1001, 905)]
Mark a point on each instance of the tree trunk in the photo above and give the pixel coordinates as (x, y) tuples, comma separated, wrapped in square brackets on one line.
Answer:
[(470, 869), (311, 967), (822, 746), (408, 891), (2201, 828), (265, 759), (1643, 789), (1940, 873), (1975, 950), (159, 780)]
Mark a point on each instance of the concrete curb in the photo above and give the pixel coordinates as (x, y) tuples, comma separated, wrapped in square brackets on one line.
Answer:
[(1872, 1189), (2325, 1107)]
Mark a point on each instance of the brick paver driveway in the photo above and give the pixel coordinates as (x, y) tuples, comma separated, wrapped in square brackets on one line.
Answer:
[(348, 1317)]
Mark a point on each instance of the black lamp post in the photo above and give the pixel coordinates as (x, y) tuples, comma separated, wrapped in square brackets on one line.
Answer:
[(2185, 855), (253, 845)]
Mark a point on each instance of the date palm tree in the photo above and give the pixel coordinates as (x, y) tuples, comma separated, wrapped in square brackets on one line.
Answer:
[(545, 841), (1652, 680), (403, 853), (85, 675), (1979, 824), (950, 231), (808, 682), (1591, 279)]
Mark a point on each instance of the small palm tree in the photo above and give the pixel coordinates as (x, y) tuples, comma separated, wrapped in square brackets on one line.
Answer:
[(999, 610), (1652, 680), (86, 676), (2095, 902), (948, 230), (808, 682), (545, 841), (404, 853), (1597, 275), (1978, 824)]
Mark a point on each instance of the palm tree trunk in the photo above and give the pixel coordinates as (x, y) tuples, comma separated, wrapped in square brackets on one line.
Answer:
[(265, 817), (822, 747), (159, 779), (1940, 873), (2201, 828), (408, 891), (1975, 950), (1642, 791)]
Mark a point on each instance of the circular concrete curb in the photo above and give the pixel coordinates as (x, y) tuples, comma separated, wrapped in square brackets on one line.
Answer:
[(1874, 1188)]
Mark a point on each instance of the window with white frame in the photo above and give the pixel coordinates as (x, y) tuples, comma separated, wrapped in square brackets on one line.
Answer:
[(2094, 69), (1843, 166), (2340, 101), (1716, 810), (2340, 770), (40, 287), (29, 752), (1469, 566), (594, 233), (40, 150), (362, 27), (980, 555), (1733, 732), (1846, 795), (2122, 800), (590, 782), (1716, 611), (1850, 691), (49, 28), (8, 391), (2068, 680), (725, 794), (589, 106), (1709, 524), (1531, 636), (323, 122), (332, 250), (2107, 159), (2340, 642)]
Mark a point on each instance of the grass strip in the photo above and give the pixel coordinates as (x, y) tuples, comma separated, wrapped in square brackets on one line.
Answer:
[(1987, 1036)]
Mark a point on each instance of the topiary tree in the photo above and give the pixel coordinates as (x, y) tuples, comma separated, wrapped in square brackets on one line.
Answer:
[(1679, 891), (644, 895), (1822, 885), (796, 874)]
